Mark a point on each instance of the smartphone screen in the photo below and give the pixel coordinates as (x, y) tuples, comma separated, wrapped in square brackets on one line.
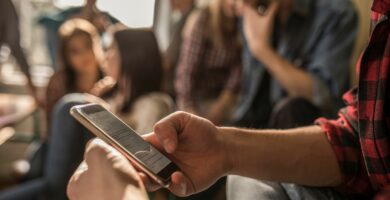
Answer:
[(130, 141)]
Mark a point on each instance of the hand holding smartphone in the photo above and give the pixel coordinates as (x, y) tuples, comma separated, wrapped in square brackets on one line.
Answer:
[(115, 132)]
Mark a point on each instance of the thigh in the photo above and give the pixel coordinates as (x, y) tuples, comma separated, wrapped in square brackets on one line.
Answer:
[(296, 192), (243, 188), (292, 113)]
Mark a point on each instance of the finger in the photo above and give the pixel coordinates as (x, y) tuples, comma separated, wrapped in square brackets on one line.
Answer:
[(247, 8), (181, 185), (272, 9), (74, 181), (250, 15), (70, 189), (95, 151), (77, 174), (153, 140), (168, 129), (96, 142), (150, 185)]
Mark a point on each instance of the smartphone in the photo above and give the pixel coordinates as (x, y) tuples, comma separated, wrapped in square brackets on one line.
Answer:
[(115, 132)]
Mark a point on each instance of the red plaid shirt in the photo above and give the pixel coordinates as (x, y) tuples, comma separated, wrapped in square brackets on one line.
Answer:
[(361, 136)]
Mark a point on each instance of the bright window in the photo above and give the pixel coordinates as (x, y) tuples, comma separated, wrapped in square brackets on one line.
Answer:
[(133, 13)]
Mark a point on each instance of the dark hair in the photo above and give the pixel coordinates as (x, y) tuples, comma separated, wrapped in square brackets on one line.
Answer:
[(67, 31), (141, 64)]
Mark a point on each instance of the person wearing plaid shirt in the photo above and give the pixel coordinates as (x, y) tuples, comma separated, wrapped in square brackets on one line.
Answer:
[(208, 74)]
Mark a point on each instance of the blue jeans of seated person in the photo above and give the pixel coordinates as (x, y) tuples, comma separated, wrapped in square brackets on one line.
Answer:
[(65, 151)]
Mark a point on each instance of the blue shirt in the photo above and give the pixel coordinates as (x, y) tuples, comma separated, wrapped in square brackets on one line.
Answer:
[(319, 38)]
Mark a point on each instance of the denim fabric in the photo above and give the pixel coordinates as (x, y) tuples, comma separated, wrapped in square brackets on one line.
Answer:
[(319, 38)]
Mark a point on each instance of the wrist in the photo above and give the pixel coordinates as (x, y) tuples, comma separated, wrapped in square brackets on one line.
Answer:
[(230, 150), (263, 52)]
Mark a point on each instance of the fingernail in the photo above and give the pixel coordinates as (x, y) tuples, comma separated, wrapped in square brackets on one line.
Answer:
[(168, 145), (183, 188)]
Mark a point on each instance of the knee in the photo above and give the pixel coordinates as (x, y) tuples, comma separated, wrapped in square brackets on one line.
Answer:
[(294, 106), (67, 102), (293, 112), (239, 187)]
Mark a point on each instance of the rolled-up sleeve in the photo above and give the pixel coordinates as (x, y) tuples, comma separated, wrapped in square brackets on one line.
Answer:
[(330, 60), (343, 136)]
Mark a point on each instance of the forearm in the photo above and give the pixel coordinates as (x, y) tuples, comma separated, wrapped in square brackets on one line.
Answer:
[(295, 81), (302, 156)]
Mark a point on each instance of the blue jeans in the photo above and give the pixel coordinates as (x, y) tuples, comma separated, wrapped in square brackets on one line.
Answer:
[(65, 151)]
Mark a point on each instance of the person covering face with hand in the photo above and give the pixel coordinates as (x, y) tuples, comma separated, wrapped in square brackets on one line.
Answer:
[(296, 58)]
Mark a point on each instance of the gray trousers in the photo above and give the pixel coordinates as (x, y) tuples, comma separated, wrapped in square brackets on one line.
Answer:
[(242, 188)]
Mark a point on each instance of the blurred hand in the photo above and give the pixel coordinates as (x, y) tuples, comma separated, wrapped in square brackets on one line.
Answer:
[(221, 108), (258, 27), (197, 148), (101, 22), (103, 86), (216, 113), (191, 110), (105, 174), (94, 99), (39, 99)]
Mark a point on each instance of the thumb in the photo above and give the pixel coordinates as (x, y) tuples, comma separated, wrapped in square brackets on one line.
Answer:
[(272, 9), (181, 185), (168, 130), (248, 10)]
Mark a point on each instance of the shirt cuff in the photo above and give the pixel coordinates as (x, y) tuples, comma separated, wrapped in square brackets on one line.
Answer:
[(346, 146)]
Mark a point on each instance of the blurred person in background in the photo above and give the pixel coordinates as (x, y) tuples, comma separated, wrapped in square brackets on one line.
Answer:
[(296, 58), (79, 56), (133, 60), (181, 10), (209, 69), (132, 90), (89, 11), (296, 67), (10, 35)]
